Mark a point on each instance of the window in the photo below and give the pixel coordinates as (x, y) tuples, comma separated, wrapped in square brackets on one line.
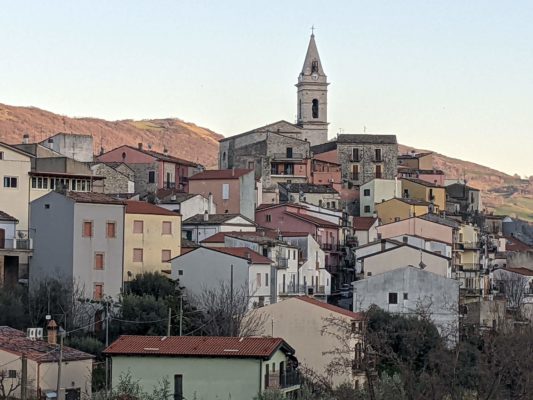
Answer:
[(355, 172), (378, 171), (10, 182), (367, 209), (12, 373), (393, 298), (406, 193), (406, 296), (137, 255), (378, 155), (98, 260), (98, 291), (111, 230), (151, 176), (268, 218), (167, 228), (266, 280), (180, 272), (225, 191), (289, 152), (1, 155), (178, 387), (166, 255), (332, 204), (366, 192), (138, 226), (355, 154), (431, 194), (87, 229), (314, 108), (251, 165), (258, 279), (314, 66), (369, 273)]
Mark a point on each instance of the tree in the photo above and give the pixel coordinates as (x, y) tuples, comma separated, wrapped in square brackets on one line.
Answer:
[(8, 384), (14, 307), (514, 287)]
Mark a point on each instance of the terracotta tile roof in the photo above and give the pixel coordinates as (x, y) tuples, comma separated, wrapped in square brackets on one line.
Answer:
[(199, 346), (413, 202), (15, 341), (220, 174), (265, 206), (313, 220), (363, 223), (411, 156), (142, 207), (162, 156), (6, 217), (173, 196), (245, 253), (331, 307), (521, 271), (188, 243), (513, 244), (216, 238), (91, 197)]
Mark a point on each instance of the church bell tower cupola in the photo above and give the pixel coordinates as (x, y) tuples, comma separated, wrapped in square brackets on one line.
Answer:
[(313, 97)]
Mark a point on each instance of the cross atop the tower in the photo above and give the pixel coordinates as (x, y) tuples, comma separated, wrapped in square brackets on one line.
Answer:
[(313, 29)]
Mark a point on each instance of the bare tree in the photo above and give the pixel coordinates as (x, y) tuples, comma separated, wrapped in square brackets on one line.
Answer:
[(514, 286), (8, 384)]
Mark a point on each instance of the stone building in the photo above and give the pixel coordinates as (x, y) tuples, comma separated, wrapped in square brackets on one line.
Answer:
[(119, 178)]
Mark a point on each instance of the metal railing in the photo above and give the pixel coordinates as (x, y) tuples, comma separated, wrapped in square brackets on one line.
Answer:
[(282, 380), (282, 262), (354, 176), (21, 241), (285, 156)]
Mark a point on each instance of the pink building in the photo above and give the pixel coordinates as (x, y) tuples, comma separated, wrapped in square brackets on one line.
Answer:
[(234, 191), (153, 170), (325, 172), (418, 226)]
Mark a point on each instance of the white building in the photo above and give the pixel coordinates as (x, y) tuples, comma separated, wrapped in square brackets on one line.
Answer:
[(202, 226), (376, 191), (187, 204)]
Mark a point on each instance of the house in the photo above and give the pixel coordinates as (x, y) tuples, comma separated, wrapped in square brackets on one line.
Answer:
[(392, 258), (301, 320), (318, 195), (234, 191), (86, 248), (435, 228), (153, 170), (119, 178), (365, 229), (202, 226), (186, 204), (206, 367), (407, 290), (15, 167), (396, 209), (467, 198), (152, 237), (427, 191), (41, 358), (435, 246), (467, 260), (15, 252), (75, 146), (206, 267), (376, 191), (325, 170)]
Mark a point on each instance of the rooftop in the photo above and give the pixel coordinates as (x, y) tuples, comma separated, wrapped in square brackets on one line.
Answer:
[(330, 307), (411, 156), (313, 220), (263, 237), (366, 139), (245, 253), (410, 201), (306, 188), (220, 174), (363, 223), (422, 182), (173, 196), (91, 197), (6, 217), (440, 220), (199, 346), (521, 271), (142, 207), (212, 219)]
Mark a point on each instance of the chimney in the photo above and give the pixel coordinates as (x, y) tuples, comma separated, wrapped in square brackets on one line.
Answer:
[(140, 146), (209, 202), (25, 138), (206, 216), (52, 332)]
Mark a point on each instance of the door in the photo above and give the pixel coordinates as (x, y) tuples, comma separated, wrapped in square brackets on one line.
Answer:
[(2, 239), (178, 387)]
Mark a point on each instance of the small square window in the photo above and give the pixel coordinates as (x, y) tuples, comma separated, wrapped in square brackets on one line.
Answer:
[(138, 226), (366, 192), (405, 296), (12, 373), (367, 209), (111, 230), (151, 176), (369, 273), (166, 255), (180, 272), (47, 206), (137, 255), (87, 228), (393, 298), (167, 228)]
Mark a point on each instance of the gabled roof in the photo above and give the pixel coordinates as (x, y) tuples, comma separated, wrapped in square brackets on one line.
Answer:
[(142, 207), (440, 220), (313, 220), (330, 307), (240, 252), (265, 128), (91, 197), (213, 219), (197, 346), (520, 270), (6, 217), (266, 206), (422, 182), (366, 139), (264, 238), (363, 223), (173, 196), (16, 150), (220, 174), (307, 188), (294, 234), (411, 156), (159, 156), (514, 244), (15, 342), (404, 245), (410, 201)]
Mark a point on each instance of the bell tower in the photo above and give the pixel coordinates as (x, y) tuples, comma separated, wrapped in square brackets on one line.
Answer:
[(312, 107)]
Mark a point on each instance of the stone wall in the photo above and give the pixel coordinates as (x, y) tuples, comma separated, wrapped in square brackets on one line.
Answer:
[(115, 181)]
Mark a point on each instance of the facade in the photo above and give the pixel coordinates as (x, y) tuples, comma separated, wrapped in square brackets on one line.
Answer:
[(234, 191), (419, 227), (366, 157), (207, 367), (152, 237), (396, 209), (186, 204), (202, 226), (86, 248), (119, 178), (365, 229), (205, 268), (417, 161), (318, 195), (468, 198), (300, 320), (42, 367), (15, 252), (77, 147), (425, 191), (325, 171), (404, 290), (467, 260), (376, 191)]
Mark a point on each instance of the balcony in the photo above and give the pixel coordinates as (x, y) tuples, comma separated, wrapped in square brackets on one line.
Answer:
[(354, 176), (21, 241), (282, 262), (285, 380), (379, 175), (331, 247), (285, 156), (355, 159)]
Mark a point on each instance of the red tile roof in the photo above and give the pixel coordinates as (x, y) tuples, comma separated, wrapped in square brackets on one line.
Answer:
[(363, 223), (199, 346), (521, 271), (422, 182), (244, 252), (15, 341), (142, 207), (6, 217), (216, 238), (331, 307), (313, 220), (220, 174), (513, 244)]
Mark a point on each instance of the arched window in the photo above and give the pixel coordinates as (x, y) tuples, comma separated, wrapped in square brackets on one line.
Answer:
[(315, 108), (314, 67)]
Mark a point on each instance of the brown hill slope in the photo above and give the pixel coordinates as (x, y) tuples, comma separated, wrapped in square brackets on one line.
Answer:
[(183, 139)]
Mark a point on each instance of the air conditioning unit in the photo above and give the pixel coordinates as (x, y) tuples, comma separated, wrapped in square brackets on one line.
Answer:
[(39, 333), (34, 333)]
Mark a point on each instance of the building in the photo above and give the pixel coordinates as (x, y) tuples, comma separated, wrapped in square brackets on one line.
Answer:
[(153, 170), (396, 209), (74, 146), (202, 226), (467, 198), (119, 178), (325, 170), (152, 237), (414, 160), (85, 249), (15, 252), (435, 176), (15, 167), (432, 245), (376, 191), (426, 191), (435, 229), (234, 191), (206, 367), (301, 320), (42, 359), (205, 268), (186, 204), (365, 229), (318, 195), (467, 260), (406, 290)]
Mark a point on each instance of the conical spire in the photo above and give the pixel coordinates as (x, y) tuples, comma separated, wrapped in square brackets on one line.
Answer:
[(312, 62)]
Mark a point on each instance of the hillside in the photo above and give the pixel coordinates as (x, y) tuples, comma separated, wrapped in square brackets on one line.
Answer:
[(183, 139), (503, 193)]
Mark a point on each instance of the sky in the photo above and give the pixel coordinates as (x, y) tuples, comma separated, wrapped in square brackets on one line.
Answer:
[(451, 76)]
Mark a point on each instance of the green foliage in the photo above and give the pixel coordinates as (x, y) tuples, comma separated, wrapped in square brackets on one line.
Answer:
[(141, 310), (154, 284), (14, 307), (88, 344)]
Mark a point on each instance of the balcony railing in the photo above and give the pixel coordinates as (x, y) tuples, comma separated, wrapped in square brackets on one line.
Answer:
[(331, 247), (354, 176), (282, 380), (282, 262), (355, 159), (285, 156), (21, 241)]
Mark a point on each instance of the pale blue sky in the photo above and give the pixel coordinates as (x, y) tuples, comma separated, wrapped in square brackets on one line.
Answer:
[(451, 76)]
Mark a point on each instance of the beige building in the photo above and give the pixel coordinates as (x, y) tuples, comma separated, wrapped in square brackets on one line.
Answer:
[(425, 191), (420, 226), (301, 320), (152, 236), (400, 208)]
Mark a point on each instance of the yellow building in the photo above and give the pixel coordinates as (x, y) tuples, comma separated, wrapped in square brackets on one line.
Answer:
[(399, 208), (467, 260), (426, 191), (15, 166), (152, 236)]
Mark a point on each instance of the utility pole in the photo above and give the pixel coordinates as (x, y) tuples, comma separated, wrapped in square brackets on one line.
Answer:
[(60, 361), (169, 318), (24, 379), (181, 314), (231, 302)]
